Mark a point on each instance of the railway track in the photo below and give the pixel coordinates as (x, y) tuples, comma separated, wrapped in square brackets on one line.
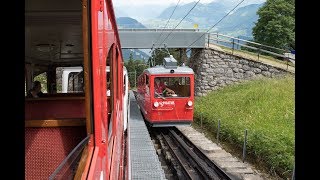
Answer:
[(183, 158)]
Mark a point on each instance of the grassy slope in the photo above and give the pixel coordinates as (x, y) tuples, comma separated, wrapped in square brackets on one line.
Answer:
[(266, 109)]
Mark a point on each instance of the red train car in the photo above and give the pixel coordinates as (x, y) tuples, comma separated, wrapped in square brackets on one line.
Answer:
[(165, 94), (78, 135)]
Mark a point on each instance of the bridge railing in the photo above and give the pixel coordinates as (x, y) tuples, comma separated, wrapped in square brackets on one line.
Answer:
[(242, 44), (158, 29)]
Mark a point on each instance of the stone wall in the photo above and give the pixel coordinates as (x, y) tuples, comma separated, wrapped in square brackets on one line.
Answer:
[(215, 69)]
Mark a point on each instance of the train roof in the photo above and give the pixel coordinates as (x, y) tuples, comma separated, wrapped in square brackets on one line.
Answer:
[(163, 70), (79, 68)]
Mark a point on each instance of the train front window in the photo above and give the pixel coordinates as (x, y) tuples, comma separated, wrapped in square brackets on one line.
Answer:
[(172, 87)]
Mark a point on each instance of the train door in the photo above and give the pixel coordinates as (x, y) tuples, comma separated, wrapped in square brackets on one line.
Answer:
[(117, 116), (126, 102), (110, 103)]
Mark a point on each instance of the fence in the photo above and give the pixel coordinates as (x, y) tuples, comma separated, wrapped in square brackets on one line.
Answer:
[(237, 44), (199, 121)]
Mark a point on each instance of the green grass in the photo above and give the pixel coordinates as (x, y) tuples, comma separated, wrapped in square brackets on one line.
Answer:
[(254, 55), (264, 107)]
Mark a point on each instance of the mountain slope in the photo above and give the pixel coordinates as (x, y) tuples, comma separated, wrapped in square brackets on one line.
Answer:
[(127, 22), (240, 22), (136, 54), (202, 14)]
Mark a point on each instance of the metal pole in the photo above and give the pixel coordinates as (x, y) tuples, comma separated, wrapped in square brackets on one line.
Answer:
[(293, 173), (287, 59), (258, 53), (238, 43), (217, 38), (201, 119), (218, 131), (244, 145), (208, 39), (232, 45)]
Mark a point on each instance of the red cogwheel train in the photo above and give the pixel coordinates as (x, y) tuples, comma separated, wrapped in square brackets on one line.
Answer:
[(165, 94)]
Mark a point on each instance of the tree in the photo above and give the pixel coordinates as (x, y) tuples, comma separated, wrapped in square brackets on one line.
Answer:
[(43, 80), (276, 24), (130, 64), (140, 66), (159, 54), (134, 68)]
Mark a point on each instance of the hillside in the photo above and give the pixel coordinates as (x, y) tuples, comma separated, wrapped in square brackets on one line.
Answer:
[(127, 22), (266, 109), (202, 14), (240, 22), (136, 54)]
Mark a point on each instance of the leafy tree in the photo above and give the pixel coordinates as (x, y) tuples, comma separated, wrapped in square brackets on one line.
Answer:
[(130, 64), (134, 68), (43, 80), (159, 54), (140, 66), (276, 24)]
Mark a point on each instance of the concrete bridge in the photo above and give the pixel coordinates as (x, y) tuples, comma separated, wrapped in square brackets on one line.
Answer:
[(214, 67), (160, 38)]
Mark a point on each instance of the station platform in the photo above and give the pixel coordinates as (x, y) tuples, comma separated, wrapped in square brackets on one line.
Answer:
[(143, 161)]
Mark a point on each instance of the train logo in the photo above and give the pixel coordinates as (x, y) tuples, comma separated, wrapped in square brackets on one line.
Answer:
[(163, 103)]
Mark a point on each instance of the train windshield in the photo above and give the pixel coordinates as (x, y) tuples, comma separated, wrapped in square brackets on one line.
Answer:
[(172, 87)]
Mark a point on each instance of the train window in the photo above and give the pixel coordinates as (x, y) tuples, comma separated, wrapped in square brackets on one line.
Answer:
[(187, 81), (70, 79), (147, 80), (108, 83), (75, 82), (177, 87), (43, 79)]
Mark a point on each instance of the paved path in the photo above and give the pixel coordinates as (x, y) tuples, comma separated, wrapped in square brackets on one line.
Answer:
[(222, 158)]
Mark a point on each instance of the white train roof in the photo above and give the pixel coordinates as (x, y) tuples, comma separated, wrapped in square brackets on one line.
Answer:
[(163, 70)]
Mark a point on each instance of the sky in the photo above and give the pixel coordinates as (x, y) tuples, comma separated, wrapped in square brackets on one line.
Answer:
[(142, 10), (154, 2)]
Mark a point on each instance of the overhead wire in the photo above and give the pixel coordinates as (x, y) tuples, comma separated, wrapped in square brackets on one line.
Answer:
[(179, 23), (212, 28), (167, 21), (152, 49), (215, 24)]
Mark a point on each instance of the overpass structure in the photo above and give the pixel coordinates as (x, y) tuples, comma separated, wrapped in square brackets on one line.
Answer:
[(161, 38)]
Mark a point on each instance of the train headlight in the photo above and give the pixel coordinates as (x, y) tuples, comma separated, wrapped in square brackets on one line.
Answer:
[(190, 103), (156, 104)]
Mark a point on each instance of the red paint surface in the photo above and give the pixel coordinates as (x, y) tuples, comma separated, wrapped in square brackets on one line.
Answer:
[(46, 109)]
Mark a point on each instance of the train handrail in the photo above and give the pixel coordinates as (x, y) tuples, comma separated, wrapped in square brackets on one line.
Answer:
[(71, 157)]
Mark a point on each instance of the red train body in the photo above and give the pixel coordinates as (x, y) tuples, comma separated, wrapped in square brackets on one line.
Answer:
[(163, 108), (76, 135)]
